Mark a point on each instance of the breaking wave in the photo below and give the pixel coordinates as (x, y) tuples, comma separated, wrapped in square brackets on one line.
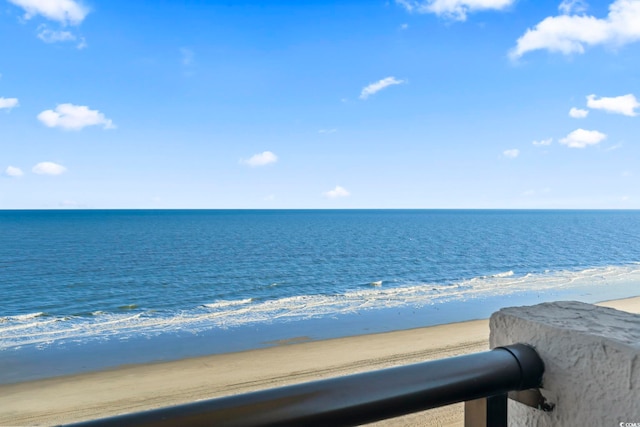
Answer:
[(40, 329)]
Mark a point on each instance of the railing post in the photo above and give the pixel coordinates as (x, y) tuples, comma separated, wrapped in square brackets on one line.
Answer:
[(486, 412)]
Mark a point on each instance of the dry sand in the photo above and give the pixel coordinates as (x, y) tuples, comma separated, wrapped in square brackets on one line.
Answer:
[(139, 387)]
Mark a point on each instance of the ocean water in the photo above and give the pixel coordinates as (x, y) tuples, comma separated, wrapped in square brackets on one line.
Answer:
[(144, 285)]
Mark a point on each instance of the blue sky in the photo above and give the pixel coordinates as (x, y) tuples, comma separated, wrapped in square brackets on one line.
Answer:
[(319, 104)]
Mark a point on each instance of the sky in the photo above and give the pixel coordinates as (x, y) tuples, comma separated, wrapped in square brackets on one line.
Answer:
[(514, 104)]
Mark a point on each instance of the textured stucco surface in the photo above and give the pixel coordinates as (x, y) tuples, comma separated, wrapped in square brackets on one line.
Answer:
[(592, 362)]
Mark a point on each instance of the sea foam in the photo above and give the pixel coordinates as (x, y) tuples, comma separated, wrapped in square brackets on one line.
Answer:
[(41, 330)]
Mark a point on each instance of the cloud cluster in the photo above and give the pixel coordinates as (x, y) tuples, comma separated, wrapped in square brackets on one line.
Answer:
[(453, 9), (581, 138), (337, 193), (48, 35), (260, 159), (8, 103), (74, 117), (66, 116), (66, 12), (569, 34), (625, 104), (51, 36), (42, 168), (63, 12), (373, 88)]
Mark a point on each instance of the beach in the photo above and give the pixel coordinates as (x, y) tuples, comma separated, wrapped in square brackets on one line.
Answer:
[(135, 388)]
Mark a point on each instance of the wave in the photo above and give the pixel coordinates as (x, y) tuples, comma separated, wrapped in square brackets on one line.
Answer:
[(493, 276), (231, 303), (23, 317), (505, 274), (41, 330)]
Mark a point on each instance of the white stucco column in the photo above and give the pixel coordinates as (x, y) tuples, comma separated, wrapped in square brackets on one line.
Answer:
[(592, 362)]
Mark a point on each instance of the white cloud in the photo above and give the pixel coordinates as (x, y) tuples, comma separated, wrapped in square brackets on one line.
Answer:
[(578, 113), (543, 142), (570, 33), (453, 9), (325, 131), (337, 193), (261, 159), (8, 103), (568, 7), (378, 86), (48, 168), (74, 117), (511, 154), (51, 36), (581, 138), (625, 104), (63, 11), (404, 26), (13, 171)]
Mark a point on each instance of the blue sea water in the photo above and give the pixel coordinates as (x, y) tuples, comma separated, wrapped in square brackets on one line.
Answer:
[(155, 285)]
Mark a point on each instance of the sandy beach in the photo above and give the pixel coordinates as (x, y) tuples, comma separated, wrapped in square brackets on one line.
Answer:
[(138, 387)]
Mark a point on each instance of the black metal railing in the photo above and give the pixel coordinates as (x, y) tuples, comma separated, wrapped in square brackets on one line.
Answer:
[(366, 397)]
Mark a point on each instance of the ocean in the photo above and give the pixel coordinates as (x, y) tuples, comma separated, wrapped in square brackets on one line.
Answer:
[(92, 289)]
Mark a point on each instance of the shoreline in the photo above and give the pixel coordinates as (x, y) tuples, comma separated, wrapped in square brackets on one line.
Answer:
[(69, 356), (132, 388)]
